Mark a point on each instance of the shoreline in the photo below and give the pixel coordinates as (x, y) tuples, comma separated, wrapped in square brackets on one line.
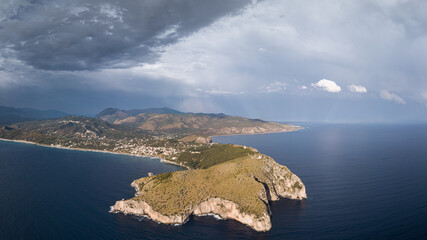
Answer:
[(246, 134), (134, 155), (173, 163), (74, 149), (94, 150)]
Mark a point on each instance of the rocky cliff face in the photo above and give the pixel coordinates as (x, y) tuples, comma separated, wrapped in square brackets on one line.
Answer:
[(282, 183), (266, 181), (230, 210), (141, 208), (223, 208)]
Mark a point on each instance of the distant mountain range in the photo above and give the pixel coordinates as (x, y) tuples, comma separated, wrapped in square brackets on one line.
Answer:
[(10, 115), (155, 121), (112, 114), (173, 121), (160, 132)]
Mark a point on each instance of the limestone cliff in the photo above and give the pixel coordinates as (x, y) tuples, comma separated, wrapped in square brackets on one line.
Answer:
[(239, 189)]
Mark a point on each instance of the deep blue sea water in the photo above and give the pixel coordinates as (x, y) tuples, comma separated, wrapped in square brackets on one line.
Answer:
[(363, 182)]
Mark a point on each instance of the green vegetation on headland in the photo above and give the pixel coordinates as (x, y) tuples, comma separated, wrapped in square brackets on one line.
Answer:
[(239, 180), (207, 156), (239, 189)]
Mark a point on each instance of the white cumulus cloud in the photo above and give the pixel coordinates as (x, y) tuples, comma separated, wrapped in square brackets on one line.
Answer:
[(357, 88), (274, 87), (386, 95), (327, 85), (218, 92)]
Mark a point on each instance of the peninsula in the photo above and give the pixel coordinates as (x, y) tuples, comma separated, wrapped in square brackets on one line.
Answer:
[(233, 182), (238, 189)]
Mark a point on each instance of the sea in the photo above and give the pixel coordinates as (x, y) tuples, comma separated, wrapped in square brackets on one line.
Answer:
[(363, 181)]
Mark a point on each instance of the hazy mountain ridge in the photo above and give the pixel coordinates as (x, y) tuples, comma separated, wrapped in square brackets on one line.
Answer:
[(112, 114), (10, 115), (172, 121)]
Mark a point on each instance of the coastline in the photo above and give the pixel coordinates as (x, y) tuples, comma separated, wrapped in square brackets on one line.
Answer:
[(173, 163), (135, 155), (245, 134), (93, 150), (74, 149)]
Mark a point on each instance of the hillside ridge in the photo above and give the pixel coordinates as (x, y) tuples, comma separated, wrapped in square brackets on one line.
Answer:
[(172, 121)]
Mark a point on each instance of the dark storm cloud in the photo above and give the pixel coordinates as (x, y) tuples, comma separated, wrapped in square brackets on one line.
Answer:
[(262, 60), (86, 35)]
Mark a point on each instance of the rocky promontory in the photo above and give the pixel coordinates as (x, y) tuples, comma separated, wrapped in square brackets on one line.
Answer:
[(238, 189)]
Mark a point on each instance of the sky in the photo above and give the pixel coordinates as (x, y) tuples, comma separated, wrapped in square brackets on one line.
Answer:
[(282, 60)]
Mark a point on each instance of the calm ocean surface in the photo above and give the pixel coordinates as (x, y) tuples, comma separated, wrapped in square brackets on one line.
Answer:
[(363, 182)]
